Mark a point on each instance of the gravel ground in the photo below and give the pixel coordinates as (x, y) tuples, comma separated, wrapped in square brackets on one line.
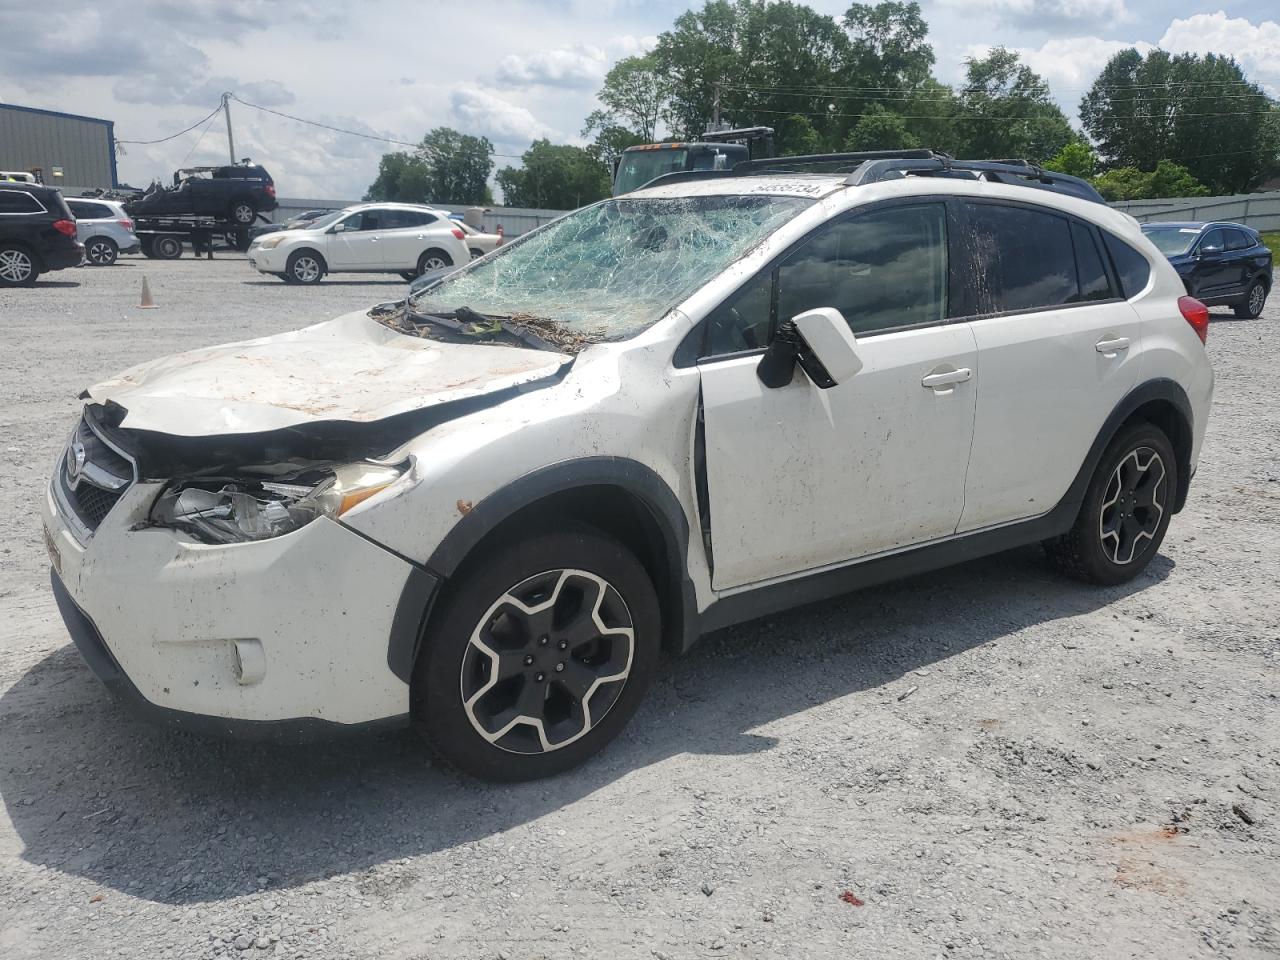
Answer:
[(989, 761)]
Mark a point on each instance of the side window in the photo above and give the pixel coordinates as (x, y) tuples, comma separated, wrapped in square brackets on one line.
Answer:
[(352, 222), (394, 219), (17, 201), (85, 210), (1094, 284), (1132, 267), (882, 269), (1025, 258), (1238, 240), (372, 219), (743, 321), (1214, 241)]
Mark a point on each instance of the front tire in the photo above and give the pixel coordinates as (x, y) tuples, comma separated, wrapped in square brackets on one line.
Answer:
[(166, 248), (1126, 509), (101, 252), (538, 656), (1250, 308), (304, 267)]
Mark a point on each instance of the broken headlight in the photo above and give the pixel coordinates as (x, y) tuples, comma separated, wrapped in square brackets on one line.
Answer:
[(244, 509)]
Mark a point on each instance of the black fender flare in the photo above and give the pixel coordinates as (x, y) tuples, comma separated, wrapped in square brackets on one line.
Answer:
[(1159, 389), (629, 476)]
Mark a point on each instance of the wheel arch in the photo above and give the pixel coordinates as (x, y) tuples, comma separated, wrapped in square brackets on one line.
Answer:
[(444, 254), (1162, 402), (620, 497), (324, 264)]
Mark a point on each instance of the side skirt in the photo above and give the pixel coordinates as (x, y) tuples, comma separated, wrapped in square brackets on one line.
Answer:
[(776, 597)]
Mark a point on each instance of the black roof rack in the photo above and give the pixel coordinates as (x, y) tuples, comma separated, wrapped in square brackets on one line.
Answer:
[(876, 166)]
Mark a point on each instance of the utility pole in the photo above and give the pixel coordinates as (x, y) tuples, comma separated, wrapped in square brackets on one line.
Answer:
[(231, 143)]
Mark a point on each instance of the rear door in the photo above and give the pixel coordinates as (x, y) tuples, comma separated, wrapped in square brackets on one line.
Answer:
[(1058, 347), (1239, 259), (402, 237), (800, 477)]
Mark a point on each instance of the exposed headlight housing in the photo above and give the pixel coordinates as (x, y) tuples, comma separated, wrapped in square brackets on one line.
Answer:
[(272, 241), (244, 509)]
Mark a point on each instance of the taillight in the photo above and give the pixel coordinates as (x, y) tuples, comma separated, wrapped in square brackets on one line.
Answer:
[(459, 234), (65, 227), (1196, 314), (127, 224), (271, 189)]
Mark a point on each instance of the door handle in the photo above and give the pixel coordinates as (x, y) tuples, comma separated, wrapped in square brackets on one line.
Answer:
[(1112, 347), (946, 378)]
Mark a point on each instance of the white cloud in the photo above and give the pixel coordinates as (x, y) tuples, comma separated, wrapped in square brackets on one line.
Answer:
[(1050, 14), (1070, 65), (581, 67), (1256, 48), (482, 113)]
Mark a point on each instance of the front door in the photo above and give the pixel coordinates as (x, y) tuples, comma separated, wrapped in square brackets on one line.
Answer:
[(355, 243), (800, 477), (1214, 275)]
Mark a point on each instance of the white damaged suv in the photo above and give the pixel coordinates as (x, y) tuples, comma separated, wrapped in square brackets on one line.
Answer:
[(490, 508)]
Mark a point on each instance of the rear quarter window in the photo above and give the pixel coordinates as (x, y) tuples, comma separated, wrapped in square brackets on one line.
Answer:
[(1132, 268)]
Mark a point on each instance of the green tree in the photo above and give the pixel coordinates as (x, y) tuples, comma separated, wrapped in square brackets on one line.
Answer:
[(402, 178), (880, 129), (447, 167), (1007, 111), (555, 177), (1201, 112), (796, 136), (636, 93), (889, 48), (460, 166), (1168, 179), (1075, 159), (609, 136)]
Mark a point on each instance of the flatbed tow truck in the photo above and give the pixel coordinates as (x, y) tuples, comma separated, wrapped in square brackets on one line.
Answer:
[(163, 238)]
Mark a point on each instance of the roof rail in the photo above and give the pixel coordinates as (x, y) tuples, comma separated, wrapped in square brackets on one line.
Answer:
[(1017, 172), (876, 166)]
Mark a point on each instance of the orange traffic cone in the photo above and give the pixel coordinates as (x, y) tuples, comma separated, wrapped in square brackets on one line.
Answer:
[(147, 303)]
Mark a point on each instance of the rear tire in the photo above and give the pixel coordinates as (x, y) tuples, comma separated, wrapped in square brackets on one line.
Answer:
[(408, 275), (166, 248), (554, 687), (433, 260), (1126, 511), (1255, 299), (243, 212), (101, 252), (146, 245), (18, 266)]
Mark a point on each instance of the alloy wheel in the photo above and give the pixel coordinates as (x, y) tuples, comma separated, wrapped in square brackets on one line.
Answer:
[(242, 213), (433, 263), (1132, 506), (306, 269), (15, 266), (547, 661), (1257, 297), (99, 252)]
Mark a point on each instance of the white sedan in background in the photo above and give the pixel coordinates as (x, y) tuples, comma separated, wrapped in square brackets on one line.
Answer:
[(402, 238), (479, 242)]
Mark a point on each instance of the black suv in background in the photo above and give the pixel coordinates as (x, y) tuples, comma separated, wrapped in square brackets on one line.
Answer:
[(37, 233), (236, 194), (1220, 263)]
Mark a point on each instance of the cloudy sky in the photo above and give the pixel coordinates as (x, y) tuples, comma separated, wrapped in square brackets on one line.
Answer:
[(511, 70)]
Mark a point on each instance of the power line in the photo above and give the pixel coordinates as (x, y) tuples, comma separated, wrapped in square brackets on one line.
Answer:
[(970, 117), (212, 113), (352, 133), (199, 139), (900, 96)]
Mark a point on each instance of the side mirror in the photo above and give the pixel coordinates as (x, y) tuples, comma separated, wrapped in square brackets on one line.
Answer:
[(820, 341), (1209, 250)]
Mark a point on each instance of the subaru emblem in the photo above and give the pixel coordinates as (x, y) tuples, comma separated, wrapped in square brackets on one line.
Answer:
[(75, 462)]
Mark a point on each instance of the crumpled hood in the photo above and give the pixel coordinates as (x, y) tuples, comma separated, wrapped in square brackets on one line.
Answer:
[(349, 369)]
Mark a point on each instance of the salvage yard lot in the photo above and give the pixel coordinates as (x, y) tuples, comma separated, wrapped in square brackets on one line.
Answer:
[(992, 760)]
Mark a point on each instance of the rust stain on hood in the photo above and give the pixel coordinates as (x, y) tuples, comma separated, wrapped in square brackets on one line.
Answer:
[(352, 368)]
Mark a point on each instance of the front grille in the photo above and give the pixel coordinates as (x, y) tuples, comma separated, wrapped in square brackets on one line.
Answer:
[(93, 476)]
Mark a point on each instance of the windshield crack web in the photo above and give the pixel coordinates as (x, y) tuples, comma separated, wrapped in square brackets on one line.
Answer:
[(610, 270)]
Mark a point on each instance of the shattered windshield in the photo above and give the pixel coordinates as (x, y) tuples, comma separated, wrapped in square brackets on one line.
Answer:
[(611, 270)]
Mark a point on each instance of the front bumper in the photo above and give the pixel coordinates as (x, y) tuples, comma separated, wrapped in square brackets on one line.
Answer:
[(266, 261), (163, 621)]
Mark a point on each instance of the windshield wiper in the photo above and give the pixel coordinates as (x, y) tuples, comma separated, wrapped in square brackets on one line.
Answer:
[(469, 324)]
